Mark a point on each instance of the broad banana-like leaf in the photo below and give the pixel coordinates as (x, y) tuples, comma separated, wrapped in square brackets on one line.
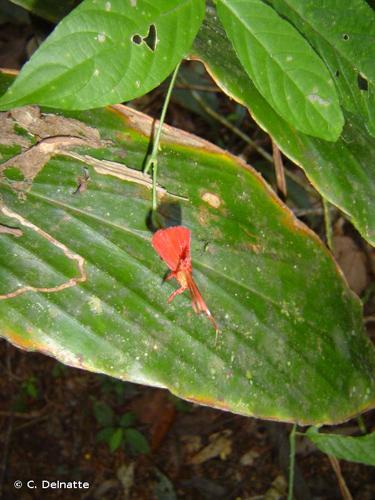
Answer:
[(80, 281)]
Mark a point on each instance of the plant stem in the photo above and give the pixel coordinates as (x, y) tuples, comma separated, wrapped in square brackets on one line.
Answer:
[(279, 170), (211, 112), (328, 223), (152, 159), (344, 490), (361, 424), (292, 454), (231, 127)]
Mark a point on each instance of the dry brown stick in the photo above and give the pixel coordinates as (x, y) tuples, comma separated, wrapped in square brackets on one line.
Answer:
[(345, 493), (305, 185), (32, 422), (199, 88), (279, 170), (16, 414)]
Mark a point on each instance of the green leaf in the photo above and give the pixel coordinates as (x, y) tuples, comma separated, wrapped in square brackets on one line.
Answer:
[(30, 387), (137, 442), (283, 66), (83, 283), (116, 439), (356, 449), (103, 413), (344, 172), (107, 52), (51, 10), (127, 419), (104, 435), (13, 174), (345, 39)]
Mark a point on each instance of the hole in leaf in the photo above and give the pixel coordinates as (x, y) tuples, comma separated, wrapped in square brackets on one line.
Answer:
[(362, 82), (137, 39), (345, 36), (13, 174), (337, 73), (151, 39)]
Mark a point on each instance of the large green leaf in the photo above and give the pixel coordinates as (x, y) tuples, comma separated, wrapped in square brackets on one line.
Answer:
[(52, 10), (344, 37), (107, 52), (83, 283), (344, 172), (283, 66), (356, 449)]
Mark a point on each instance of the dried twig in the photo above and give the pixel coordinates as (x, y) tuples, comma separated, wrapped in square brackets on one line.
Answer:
[(279, 170), (211, 112), (16, 414), (345, 493), (200, 88), (328, 223)]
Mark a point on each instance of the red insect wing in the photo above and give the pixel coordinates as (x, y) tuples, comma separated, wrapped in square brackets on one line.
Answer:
[(198, 303), (173, 245)]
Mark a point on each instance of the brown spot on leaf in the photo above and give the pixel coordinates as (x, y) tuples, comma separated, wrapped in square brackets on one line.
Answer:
[(252, 246), (55, 135), (43, 125), (212, 199), (206, 217), (10, 230)]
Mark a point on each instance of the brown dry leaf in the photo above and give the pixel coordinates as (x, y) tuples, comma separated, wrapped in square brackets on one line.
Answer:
[(249, 457), (220, 446), (155, 409), (191, 443), (352, 262), (125, 473), (277, 490)]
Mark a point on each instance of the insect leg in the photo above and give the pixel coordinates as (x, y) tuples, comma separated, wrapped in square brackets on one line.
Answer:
[(170, 276), (176, 292)]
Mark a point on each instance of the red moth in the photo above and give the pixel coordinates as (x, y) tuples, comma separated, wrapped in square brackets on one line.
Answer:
[(173, 246)]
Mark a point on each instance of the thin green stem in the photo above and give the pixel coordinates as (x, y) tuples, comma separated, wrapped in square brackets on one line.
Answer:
[(292, 455), (211, 112), (361, 424), (327, 223), (152, 161)]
